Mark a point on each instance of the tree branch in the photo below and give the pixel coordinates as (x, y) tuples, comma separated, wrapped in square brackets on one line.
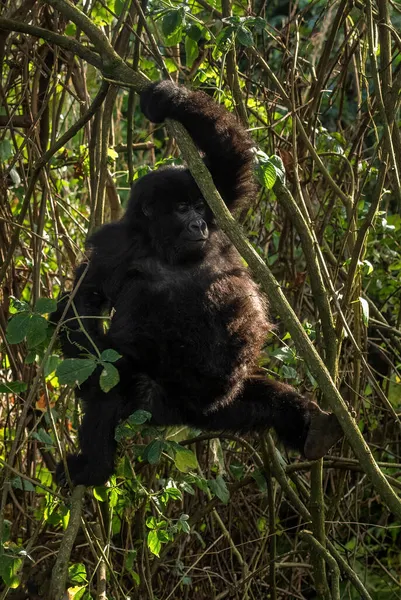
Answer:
[(273, 290)]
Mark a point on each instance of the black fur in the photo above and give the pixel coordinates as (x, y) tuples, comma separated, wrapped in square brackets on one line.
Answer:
[(188, 319)]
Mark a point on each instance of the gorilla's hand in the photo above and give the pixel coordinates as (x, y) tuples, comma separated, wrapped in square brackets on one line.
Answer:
[(159, 100)]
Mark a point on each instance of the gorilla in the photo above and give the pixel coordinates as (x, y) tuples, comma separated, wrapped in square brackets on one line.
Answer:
[(186, 317)]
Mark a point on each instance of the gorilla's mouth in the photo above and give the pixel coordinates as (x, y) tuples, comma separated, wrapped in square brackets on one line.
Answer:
[(195, 240)]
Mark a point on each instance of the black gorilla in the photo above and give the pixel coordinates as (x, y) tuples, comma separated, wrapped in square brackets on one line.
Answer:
[(187, 319)]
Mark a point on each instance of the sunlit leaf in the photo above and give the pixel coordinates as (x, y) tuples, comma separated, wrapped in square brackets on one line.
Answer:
[(365, 310), (154, 544), (185, 460)]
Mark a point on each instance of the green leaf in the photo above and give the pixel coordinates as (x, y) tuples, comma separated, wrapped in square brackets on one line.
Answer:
[(191, 51), (183, 523), (109, 377), (219, 487), (9, 567), (154, 544), (71, 29), (266, 173), (289, 372), (123, 432), (6, 150), (172, 21), (279, 166), (18, 327), (365, 310), (37, 330), (111, 153), (194, 32), (172, 493), (260, 479), (45, 305), (368, 266), (187, 488), (18, 305), (153, 451), (139, 417), (30, 357), (100, 493), (51, 364), (223, 41), (15, 178), (173, 40), (185, 460), (75, 370), (110, 355), (151, 522), (19, 483), (244, 37), (257, 23), (12, 387), (43, 437), (77, 573), (285, 354), (237, 470)]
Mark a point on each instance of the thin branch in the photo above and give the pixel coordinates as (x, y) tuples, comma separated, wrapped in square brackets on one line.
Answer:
[(43, 160), (58, 581), (62, 41)]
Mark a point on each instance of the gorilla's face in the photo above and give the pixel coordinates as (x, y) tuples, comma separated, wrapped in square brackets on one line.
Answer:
[(178, 219), (181, 233)]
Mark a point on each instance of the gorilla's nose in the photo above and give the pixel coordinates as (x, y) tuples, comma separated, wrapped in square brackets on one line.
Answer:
[(198, 228)]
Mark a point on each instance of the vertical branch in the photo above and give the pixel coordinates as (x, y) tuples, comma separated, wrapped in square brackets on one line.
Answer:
[(309, 242), (232, 72), (335, 571), (387, 121), (59, 576)]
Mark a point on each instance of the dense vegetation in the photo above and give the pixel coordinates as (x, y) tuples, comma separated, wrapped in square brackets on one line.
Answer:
[(190, 515)]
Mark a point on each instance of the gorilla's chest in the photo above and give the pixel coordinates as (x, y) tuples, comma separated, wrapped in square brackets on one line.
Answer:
[(199, 311)]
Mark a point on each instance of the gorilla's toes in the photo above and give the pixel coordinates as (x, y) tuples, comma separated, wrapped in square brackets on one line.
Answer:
[(324, 431)]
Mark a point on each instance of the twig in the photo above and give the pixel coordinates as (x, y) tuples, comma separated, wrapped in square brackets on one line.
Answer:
[(331, 562), (60, 570)]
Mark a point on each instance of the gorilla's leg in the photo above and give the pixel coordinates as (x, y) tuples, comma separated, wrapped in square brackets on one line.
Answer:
[(95, 463), (264, 403), (102, 413)]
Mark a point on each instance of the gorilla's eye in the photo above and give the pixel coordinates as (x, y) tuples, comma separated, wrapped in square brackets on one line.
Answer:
[(182, 207)]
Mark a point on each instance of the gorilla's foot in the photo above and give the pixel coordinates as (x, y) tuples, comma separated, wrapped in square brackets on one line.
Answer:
[(324, 431), (84, 471)]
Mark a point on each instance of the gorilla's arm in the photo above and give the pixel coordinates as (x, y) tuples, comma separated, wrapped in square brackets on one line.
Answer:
[(96, 284), (82, 322), (215, 131)]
